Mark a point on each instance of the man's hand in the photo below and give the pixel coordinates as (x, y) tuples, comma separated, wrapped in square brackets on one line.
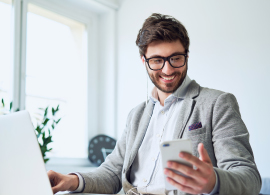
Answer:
[(202, 180), (60, 182)]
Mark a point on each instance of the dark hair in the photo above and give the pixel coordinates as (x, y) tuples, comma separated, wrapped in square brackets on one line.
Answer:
[(160, 27)]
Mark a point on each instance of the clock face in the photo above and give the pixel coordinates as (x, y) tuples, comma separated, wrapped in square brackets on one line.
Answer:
[(99, 148)]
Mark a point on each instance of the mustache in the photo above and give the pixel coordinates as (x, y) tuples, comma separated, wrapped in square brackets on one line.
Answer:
[(163, 74)]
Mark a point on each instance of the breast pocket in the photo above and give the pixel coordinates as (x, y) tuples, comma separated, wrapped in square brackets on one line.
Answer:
[(195, 132), (196, 136)]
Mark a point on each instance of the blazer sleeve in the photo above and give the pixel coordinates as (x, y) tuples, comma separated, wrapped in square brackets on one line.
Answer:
[(106, 179), (236, 170)]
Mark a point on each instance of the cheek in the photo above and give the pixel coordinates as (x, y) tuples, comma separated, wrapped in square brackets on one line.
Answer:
[(182, 71), (154, 74)]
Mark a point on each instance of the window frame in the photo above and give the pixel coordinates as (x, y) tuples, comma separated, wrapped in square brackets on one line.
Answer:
[(93, 14), (9, 2)]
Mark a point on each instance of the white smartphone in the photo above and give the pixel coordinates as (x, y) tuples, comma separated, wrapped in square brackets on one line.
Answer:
[(169, 151)]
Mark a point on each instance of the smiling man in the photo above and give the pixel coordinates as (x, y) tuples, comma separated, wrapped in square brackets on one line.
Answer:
[(167, 78), (178, 108)]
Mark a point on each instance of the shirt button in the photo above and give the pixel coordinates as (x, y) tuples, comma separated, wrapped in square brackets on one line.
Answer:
[(153, 159), (144, 180), (158, 135), (162, 112)]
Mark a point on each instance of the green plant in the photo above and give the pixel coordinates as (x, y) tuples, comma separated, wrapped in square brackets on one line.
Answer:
[(43, 129), (45, 122), (4, 110)]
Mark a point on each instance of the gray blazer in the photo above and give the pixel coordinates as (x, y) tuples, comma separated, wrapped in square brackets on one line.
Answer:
[(223, 134)]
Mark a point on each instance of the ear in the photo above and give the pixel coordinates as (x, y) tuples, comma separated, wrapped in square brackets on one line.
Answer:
[(143, 60)]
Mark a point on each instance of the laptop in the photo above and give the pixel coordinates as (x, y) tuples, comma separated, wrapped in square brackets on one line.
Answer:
[(22, 170)]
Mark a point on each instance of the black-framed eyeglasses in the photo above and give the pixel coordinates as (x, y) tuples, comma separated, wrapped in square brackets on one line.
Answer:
[(175, 60)]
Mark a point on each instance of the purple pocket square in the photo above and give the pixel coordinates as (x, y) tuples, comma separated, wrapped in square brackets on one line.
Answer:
[(195, 126)]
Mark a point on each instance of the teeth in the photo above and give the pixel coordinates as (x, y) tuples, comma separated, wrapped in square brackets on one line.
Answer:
[(168, 78)]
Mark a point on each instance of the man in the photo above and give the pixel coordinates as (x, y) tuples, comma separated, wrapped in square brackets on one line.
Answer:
[(178, 108)]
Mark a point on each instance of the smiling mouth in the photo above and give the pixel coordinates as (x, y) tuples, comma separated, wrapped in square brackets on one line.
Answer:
[(168, 78)]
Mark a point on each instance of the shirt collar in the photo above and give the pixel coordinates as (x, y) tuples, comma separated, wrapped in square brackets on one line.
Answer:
[(179, 93)]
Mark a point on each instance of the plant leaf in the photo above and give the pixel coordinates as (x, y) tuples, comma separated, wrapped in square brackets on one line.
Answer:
[(46, 111), (57, 108), (38, 135), (38, 129), (45, 121), (3, 103), (53, 111), (47, 140), (10, 106), (58, 121)]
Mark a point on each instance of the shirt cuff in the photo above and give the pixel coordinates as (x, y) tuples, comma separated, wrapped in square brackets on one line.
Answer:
[(81, 182), (216, 187)]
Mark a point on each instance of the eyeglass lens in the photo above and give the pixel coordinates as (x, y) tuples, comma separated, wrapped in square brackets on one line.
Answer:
[(175, 61)]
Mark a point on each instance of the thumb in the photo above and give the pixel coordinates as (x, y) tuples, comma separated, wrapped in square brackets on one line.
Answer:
[(203, 153)]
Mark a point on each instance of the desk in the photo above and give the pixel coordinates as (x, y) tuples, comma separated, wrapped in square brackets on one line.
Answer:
[(67, 193)]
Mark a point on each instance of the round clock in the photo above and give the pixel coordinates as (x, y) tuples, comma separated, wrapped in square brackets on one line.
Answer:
[(99, 148)]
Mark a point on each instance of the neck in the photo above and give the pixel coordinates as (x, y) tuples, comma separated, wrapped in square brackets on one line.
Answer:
[(162, 96)]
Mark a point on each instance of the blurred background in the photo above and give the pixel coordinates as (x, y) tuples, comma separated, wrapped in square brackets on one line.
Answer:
[(81, 55)]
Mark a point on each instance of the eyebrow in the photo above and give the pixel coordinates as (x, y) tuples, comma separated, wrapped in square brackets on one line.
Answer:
[(159, 56)]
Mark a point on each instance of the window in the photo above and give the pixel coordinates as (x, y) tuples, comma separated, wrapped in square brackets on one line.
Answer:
[(56, 74), (51, 54), (5, 49)]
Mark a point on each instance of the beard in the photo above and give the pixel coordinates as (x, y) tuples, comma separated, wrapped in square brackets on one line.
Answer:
[(169, 87)]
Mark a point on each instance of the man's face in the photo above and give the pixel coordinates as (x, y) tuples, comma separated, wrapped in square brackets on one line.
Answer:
[(168, 79)]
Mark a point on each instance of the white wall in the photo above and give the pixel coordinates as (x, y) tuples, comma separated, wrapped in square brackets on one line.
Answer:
[(230, 50)]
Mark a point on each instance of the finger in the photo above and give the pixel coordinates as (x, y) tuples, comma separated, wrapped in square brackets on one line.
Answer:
[(180, 186), (188, 171), (54, 180), (56, 189), (179, 178), (59, 187), (193, 160), (203, 153), (51, 174)]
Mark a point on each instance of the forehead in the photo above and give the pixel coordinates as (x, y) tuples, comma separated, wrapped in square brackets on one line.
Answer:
[(164, 49)]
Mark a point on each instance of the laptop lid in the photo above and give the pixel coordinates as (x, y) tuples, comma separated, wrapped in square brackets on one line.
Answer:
[(22, 170)]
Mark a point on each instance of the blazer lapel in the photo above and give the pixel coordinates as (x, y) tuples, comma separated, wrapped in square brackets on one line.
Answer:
[(142, 127), (186, 109), (185, 113)]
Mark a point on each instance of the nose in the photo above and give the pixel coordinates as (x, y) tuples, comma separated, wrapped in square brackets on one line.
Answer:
[(167, 69)]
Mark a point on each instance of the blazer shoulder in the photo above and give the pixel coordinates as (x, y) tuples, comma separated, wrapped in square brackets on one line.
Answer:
[(195, 91), (136, 112), (138, 109), (213, 96), (210, 93)]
